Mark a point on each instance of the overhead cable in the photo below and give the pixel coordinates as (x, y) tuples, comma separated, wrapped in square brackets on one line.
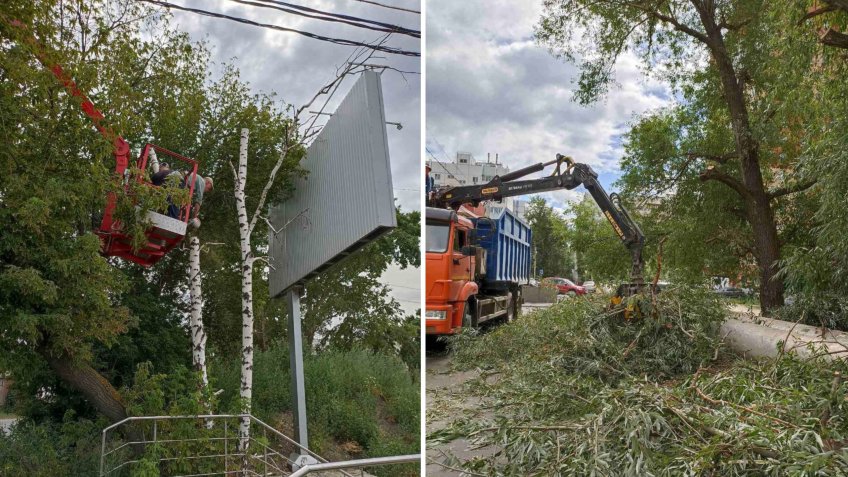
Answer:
[(390, 6), (330, 16), (337, 41)]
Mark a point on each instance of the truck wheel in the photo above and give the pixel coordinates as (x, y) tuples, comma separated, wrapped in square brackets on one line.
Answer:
[(468, 313), (510, 307), (516, 304)]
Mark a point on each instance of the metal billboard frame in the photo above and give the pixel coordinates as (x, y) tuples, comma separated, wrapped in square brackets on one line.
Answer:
[(348, 204), (346, 201)]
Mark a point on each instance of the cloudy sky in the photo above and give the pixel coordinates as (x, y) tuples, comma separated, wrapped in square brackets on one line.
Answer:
[(491, 88), (295, 68)]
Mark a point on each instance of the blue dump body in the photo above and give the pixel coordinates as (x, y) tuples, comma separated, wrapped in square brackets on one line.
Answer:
[(507, 248)]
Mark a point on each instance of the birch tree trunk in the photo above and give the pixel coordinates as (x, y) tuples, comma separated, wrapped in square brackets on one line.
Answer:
[(246, 226), (198, 333), (246, 392)]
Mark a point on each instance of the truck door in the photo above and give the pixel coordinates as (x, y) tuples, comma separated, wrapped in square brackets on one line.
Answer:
[(461, 266)]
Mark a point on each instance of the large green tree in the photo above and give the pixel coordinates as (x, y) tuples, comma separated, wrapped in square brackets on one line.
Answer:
[(735, 66), (60, 300), (348, 307), (70, 309), (551, 253)]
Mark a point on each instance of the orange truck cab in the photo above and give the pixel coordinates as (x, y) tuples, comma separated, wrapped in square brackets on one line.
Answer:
[(474, 269)]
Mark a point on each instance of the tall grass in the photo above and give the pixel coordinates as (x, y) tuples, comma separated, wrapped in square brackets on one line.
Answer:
[(357, 398)]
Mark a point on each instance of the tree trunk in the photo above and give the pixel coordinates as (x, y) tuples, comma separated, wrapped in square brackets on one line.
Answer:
[(756, 199), (198, 332), (246, 391), (81, 377)]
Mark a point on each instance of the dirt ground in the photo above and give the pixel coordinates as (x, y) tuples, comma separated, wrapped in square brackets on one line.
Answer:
[(448, 399)]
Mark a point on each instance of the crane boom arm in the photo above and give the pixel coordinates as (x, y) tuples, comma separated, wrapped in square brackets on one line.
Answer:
[(572, 176)]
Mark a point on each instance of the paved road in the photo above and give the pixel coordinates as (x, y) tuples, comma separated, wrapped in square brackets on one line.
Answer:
[(5, 424), (448, 399)]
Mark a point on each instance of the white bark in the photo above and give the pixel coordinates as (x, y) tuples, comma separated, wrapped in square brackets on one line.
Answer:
[(246, 391), (246, 226), (198, 333)]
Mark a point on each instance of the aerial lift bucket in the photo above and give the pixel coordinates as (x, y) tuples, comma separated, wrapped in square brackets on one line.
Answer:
[(164, 233)]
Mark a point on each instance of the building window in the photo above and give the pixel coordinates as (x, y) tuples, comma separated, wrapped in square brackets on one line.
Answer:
[(462, 182), (450, 176), (437, 176), (474, 179), (463, 161)]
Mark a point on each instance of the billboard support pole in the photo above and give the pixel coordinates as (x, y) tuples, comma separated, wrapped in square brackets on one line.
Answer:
[(300, 458)]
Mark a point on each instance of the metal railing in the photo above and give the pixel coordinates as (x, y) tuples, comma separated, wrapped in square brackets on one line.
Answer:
[(356, 464), (206, 445)]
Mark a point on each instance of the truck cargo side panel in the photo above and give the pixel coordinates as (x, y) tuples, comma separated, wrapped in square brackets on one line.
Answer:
[(507, 248)]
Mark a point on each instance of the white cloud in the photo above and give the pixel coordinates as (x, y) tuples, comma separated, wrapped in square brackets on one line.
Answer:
[(490, 88), (295, 67)]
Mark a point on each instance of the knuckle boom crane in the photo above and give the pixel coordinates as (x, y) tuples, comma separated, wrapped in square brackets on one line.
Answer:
[(567, 175)]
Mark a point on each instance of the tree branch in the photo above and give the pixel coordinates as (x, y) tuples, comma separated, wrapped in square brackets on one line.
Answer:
[(786, 190), (711, 173), (841, 4), (726, 25), (815, 11), (719, 158), (264, 195), (702, 37), (831, 37)]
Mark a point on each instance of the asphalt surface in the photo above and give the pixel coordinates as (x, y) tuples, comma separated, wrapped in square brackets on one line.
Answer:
[(448, 399), (6, 424)]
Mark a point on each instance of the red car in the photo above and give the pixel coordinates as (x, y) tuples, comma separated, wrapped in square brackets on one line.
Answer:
[(564, 286)]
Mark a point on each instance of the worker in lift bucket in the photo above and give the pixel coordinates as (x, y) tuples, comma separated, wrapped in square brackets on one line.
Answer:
[(201, 186)]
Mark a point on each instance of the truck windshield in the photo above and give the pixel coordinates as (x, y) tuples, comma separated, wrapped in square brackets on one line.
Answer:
[(437, 237)]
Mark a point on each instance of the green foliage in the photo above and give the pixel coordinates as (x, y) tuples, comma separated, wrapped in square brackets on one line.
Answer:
[(795, 102), (818, 308), (550, 241), (360, 396), (349, 308), (677, 333), (601, 255), (68, 448), (580, 393)]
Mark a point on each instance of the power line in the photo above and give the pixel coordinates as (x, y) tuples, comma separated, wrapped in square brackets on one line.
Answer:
[(337, 41), (331, 17), (390, 6), (440, 162), (393, 285)]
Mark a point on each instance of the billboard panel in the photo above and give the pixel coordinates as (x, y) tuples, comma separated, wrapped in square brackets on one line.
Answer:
[(345, 201)]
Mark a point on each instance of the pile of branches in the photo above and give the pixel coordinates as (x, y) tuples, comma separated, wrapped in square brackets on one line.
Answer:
[(579, 392), (666, 334)]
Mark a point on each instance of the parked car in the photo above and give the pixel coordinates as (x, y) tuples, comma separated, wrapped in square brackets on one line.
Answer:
[(564, 286), (589, 285), (731, 292)]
